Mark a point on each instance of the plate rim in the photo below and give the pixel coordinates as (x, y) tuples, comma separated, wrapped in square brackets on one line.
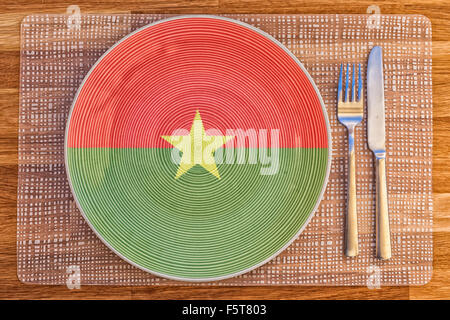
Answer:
[(329, 147)]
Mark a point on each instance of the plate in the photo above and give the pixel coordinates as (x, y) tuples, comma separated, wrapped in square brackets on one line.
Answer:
[(197, 148)]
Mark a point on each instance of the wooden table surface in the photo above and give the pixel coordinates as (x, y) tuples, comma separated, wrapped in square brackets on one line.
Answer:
[(13, 11)]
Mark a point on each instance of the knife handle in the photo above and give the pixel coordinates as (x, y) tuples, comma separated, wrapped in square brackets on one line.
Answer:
[(351, 223), (382, 211)]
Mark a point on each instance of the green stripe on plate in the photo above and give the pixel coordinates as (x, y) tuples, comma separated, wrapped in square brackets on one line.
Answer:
[(197, 226)]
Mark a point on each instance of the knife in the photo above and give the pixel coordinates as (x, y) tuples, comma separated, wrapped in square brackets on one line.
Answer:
[(376, 141)]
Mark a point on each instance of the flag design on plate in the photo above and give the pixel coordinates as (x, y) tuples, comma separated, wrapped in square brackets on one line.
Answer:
[(197, 148)]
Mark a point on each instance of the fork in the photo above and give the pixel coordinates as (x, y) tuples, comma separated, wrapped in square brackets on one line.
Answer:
[(350, 113)]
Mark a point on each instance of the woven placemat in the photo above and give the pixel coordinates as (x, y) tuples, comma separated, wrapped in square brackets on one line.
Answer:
[(53, 240)]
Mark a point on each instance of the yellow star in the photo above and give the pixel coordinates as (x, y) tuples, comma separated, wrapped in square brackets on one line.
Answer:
[(197, 148)]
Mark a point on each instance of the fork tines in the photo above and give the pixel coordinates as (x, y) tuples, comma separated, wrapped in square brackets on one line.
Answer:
[(350, 106)]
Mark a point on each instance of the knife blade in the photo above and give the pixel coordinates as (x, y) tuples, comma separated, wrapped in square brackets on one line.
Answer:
[(377, 143), (375, 102)]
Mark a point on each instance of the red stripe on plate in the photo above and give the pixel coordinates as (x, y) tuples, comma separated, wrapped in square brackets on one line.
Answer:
[(153, 82)]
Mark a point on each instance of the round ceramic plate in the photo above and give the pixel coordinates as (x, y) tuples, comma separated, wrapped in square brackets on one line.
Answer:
[(198, 148)]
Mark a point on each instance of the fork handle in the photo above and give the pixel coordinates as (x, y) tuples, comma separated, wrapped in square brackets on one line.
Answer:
[(382, 211), (351, 224)]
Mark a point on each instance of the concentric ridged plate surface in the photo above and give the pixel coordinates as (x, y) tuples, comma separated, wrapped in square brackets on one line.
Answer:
[(197, 148)]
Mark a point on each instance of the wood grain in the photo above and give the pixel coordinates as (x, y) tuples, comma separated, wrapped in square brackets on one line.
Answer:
[(11, 14)]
